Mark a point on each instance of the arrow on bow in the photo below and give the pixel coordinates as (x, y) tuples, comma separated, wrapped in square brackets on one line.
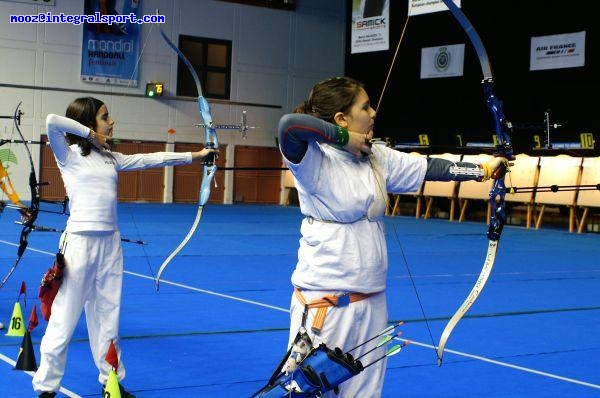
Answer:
[(208, 163)]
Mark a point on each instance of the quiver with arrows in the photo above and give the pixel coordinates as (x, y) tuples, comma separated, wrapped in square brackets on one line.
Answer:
[(322, 370)]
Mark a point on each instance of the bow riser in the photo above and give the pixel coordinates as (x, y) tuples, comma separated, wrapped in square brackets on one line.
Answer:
[(503, 148), (501, 125), (207, 175)]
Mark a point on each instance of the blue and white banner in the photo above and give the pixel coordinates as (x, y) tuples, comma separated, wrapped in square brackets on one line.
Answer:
[(110, 51), (36, 2), (557, 51), (370, 26), (443, 61)]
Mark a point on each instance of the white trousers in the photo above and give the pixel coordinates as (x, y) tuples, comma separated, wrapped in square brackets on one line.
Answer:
[(92, 281), (346, 327)]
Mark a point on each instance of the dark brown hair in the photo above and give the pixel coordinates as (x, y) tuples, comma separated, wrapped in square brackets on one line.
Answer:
[(329, 97), (83, 110)]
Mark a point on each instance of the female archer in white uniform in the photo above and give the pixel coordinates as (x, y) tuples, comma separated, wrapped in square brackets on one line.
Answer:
[(91, 244), (343, 181)]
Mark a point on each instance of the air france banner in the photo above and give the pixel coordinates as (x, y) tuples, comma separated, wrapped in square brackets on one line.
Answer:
[(443, 61), (370, 26), (417, 7), (109, 52), (557, 51)]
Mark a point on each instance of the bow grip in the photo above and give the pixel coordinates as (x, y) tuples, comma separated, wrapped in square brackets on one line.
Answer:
[(209, 159)]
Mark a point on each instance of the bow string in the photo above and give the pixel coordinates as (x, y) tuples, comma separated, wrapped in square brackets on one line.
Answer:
[(208, 163)]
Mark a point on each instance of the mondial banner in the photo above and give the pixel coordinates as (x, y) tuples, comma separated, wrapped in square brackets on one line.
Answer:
[(370, 32), (109, 52), (36, 2)]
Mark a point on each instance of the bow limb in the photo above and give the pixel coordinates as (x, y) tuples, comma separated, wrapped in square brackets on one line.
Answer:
[(208, 163), (29, 216), (498, 191)]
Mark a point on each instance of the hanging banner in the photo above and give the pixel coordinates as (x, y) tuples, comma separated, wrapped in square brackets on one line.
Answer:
[(443, 61), (418, 7), (110, 51), (370, 30), (557, 51), (36, 2)]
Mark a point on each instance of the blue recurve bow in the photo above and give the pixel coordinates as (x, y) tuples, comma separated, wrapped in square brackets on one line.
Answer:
[(503, 148), (209, 166)]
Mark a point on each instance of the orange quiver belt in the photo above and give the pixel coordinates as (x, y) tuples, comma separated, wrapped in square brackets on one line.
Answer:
[(325, 302)]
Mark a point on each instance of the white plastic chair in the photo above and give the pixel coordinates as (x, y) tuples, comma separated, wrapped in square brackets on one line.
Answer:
[(523, 173), (590, 196), (558, 170)]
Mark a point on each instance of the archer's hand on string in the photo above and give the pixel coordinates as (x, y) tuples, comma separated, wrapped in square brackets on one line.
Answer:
[(359, 144), (99, 140)]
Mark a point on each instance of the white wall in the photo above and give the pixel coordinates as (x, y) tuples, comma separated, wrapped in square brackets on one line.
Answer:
[(277, 56)]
